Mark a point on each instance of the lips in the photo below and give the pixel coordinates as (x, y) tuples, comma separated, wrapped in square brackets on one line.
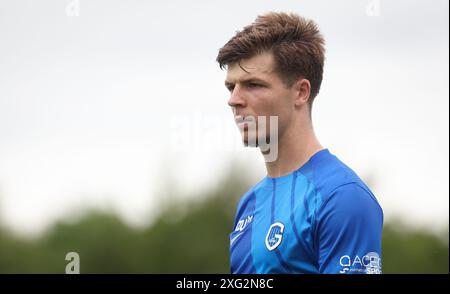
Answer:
[(244, 121), (241, 119)]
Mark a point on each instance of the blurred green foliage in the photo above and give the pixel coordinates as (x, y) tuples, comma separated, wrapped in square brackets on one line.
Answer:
[(187, 237)]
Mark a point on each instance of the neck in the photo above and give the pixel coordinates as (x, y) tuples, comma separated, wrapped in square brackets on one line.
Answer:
[(295, 147)]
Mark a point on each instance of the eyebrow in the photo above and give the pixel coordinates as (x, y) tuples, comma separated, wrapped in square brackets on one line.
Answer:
[(248, 80)]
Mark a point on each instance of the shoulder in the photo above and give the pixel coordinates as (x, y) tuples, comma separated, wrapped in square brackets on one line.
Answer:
[(350, 200), (337, 185)]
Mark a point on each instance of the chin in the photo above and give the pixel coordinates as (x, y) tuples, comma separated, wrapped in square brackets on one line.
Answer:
[(253, 142)]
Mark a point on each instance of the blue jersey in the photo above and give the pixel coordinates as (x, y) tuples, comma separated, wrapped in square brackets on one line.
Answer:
[(321, 218)]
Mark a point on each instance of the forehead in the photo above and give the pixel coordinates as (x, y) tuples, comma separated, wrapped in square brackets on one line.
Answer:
[(259, 66)]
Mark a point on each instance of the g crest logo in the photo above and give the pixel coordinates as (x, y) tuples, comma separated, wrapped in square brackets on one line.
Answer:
[(274, 236)]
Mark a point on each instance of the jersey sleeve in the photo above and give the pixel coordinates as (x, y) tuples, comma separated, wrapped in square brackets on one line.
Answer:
[(348, 232)]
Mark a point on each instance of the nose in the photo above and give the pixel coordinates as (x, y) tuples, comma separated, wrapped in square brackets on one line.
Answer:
[(236, 98)]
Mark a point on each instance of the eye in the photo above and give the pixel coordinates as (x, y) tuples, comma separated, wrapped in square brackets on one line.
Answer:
[(254, 85), (229, 86)]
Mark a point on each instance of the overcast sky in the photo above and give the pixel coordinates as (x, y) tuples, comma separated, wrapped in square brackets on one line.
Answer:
[(101, 99)]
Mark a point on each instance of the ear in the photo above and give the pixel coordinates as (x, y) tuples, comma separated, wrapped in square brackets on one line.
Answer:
[(302, 91)]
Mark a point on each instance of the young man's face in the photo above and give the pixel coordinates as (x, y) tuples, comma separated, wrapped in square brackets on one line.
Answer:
[(259, 92)]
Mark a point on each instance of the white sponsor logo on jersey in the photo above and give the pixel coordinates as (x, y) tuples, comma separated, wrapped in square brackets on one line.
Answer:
[(240, 226), (370, 263)]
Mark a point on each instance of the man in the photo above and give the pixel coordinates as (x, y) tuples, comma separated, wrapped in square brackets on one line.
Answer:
[(311, 213)]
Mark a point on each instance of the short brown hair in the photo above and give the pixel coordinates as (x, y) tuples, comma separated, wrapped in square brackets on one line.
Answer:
[(295, 42)]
